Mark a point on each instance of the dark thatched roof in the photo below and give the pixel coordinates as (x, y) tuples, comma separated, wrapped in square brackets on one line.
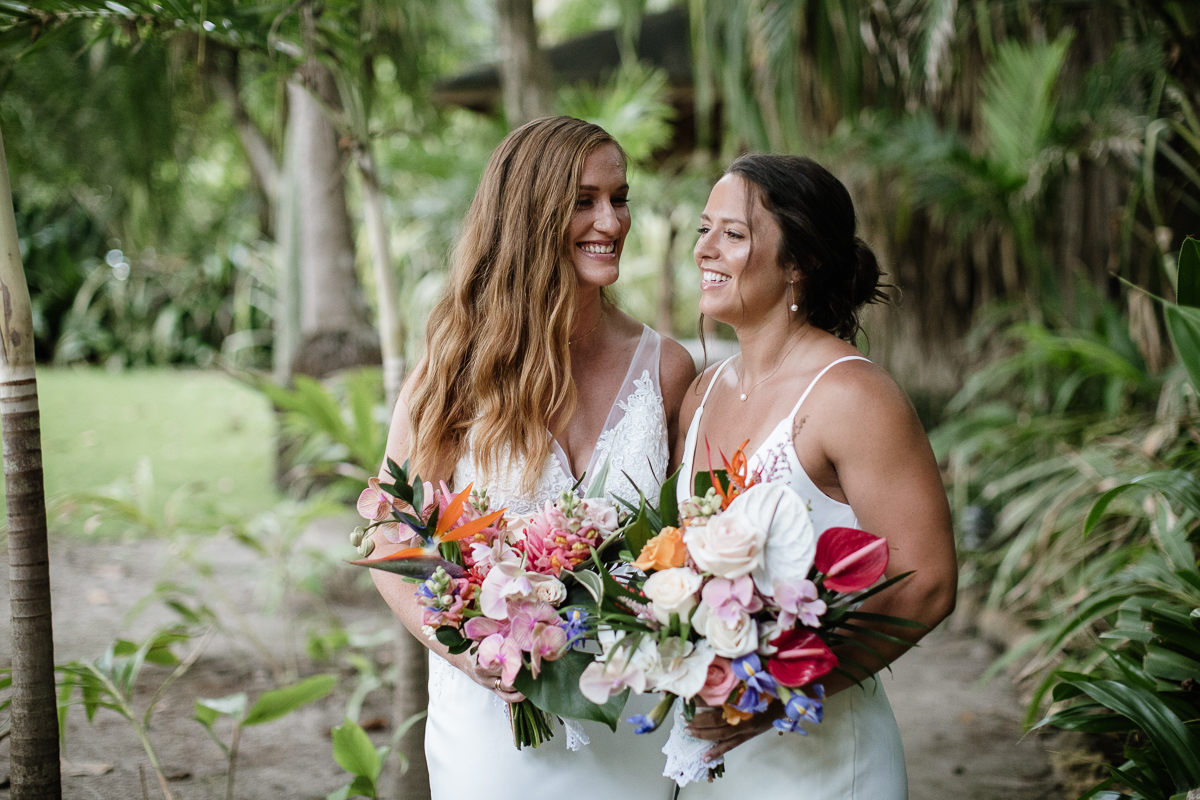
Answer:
[(665, 42)]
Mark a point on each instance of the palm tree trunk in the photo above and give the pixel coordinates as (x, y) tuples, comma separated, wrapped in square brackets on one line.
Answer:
[(34, 757), (391, 327), (524, 66), (411, 697)]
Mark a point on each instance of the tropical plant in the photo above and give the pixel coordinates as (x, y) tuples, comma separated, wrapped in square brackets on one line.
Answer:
[(270, 706), (355, 753), (108, 682)]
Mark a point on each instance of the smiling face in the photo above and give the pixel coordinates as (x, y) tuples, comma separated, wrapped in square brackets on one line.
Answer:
[(740, 276), (600, 221)]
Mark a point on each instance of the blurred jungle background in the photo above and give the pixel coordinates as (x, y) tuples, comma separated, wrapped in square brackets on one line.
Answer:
[(234, 217)]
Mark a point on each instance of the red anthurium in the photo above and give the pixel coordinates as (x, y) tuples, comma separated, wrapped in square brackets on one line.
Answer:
[(850, 559), (802, 658)]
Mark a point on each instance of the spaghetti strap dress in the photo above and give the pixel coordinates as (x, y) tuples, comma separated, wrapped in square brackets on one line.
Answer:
[(856, 752), (468, 741)]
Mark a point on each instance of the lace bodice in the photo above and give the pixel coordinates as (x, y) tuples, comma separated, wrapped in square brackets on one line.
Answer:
[(635, 433)]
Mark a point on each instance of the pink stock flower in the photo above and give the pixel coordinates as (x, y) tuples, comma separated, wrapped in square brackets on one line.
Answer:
[(851, 559), (719, 683), (798, 600), (498, 652), (728, 600)]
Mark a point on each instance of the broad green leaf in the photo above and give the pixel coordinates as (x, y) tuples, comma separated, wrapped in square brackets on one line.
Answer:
[(341, 794), (668, 505), (1178, 746), (600, 479), (1179, 486), (280, 702), (353, 751), (233, 705), (638, 532), (455, 641), (1183, 323), (1188, 290), (65, 690), (590, 581), (1171, 666), (362, 786), (556, 691)]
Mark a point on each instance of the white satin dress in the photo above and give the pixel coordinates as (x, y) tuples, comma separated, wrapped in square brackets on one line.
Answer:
[(468, 741), (856, 752)]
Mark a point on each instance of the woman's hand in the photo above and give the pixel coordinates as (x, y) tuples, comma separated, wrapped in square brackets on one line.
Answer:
[(708, 723), (488, 679)]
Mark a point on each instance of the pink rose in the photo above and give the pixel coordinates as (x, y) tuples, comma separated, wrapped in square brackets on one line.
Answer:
[(719, 683)]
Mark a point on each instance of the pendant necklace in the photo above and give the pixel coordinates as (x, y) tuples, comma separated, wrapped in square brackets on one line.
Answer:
[(743, 395)]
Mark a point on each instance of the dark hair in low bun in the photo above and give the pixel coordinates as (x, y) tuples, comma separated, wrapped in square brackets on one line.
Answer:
[(814, 212)]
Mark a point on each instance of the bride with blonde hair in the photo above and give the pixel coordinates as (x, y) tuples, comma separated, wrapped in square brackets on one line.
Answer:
[(532, 378)]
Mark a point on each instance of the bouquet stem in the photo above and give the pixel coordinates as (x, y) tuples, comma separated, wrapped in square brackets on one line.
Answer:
[(531, 726)]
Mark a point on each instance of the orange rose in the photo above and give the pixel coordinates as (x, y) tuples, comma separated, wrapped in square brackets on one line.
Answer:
[(664, 551)]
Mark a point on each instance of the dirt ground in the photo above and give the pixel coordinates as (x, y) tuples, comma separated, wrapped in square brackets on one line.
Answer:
[(962, 741)]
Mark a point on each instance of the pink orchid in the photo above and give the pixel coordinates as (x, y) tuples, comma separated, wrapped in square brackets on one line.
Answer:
[(478, 628), (497, 652), (374, 503), (729, 599), (505, 580), (536, 630), (798, 600)]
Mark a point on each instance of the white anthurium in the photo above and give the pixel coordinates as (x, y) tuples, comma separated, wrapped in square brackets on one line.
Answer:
[(791, 538), (682, 667)]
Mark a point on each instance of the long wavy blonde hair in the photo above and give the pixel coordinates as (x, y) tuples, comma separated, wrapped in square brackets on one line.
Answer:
[(498, 366)]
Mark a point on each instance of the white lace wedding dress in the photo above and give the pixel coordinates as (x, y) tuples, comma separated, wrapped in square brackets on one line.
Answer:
[(468, 742)]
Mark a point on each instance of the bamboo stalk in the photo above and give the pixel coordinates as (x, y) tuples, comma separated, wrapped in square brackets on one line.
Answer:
[(35, 771)]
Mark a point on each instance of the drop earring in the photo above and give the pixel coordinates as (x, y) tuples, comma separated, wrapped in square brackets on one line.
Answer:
[(791, 294)]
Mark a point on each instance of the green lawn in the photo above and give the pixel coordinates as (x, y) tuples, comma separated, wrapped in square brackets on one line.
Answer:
[(190, 426)]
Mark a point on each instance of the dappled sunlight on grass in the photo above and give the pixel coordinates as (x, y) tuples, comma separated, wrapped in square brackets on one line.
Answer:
[(191, 427)]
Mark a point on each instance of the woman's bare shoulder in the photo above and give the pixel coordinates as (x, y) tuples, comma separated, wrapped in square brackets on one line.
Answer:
[(676, 369)]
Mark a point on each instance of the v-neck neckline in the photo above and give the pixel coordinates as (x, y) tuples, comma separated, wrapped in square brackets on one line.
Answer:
[(564, 461)]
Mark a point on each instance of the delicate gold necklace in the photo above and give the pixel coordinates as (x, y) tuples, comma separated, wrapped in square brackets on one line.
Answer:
[(589, 332), (746, 394)]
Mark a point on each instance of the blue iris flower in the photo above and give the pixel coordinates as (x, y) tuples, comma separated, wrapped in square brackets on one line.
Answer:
[(641, 723), (801, 708), (575, 626), (425, 591), (750, 670)]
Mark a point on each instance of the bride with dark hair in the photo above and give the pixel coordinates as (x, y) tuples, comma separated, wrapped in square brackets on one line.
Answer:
[(779, 261), (531, 380)]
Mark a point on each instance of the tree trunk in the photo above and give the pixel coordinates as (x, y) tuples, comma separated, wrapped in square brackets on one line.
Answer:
[(391, 327), (334, 323), (524, 66), (34, 757), (287, 268), (411, 697)]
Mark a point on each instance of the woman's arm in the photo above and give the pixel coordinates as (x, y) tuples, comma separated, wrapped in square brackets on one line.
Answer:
[(885, 467), (398, 594)]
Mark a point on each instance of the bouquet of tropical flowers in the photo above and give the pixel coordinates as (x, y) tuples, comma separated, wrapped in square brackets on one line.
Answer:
[(517, 594), (736, 603)]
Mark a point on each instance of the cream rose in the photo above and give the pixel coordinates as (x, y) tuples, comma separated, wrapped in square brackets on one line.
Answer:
[(729, 546), (731, 641), (672, 591), (601, 513), (548, 589)]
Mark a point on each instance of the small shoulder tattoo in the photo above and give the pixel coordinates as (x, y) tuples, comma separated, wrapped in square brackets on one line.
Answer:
[(797, 425)]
